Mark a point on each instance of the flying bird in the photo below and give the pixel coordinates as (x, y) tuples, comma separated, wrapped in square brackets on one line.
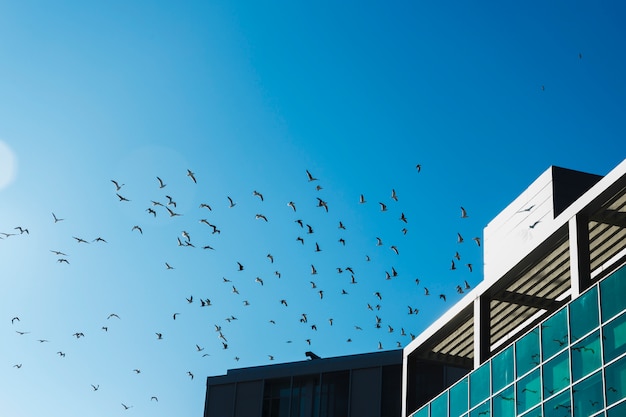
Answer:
[(393, 195), (362, 199), (459, 238), (463, 213), (137, 228), (205, 205), (309, 176), (477, 240), (260, 216), (161, 183), (192, 176), (122, 198), (172, 213), (56, 219), (258, 194), (79, 240), (313, 270), (231, 202), (117, 185), (418, 167), (292, 205), (383, 206)]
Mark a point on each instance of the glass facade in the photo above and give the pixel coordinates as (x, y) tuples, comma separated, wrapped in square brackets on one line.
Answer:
[(571, 365)]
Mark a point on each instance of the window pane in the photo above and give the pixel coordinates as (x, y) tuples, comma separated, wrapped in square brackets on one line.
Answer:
[(617, 411), (458, 398), (558, 406), (527, 352), (556, 374), (504, 403), (479, 384), (421, 413), (535, 412), (583, 314), (502, 369), (586, 356), (612, 291), (439, 406), (554, 336), (615, 338), (528, 392), (588, 397), (615, 375), (481, 411)]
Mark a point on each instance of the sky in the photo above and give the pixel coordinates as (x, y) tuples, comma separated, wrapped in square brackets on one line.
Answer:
[(484, 97)]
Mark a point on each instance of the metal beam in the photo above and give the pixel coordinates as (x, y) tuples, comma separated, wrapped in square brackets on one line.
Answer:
[(610, 217), (526, 300)]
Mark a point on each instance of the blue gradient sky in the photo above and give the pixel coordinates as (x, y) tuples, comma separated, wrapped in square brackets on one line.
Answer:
[(484, 96)]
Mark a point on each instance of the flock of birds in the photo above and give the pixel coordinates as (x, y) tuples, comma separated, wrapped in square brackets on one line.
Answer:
[(244, 285)]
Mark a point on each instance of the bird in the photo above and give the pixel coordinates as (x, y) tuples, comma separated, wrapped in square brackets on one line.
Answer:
[(292, 205), (313, 285), (95, 387), (258, 194), (394, 197), (56, 219), (174, 315), (477, 240), (231, 202), (190, 299), (80, 240), (313, 270), (14, 319), (235, 291), (379, 241), (283, 302), (383, 206), (532, 226), (117, 185), (205, 205), (56, 252), (260, 216), (322, 203), (426, 292), (442, 296), (467, 286), (459, 238), (459, 289), (270, 257), (21, 230), (317, 247), (403, 218), (137, 228), (362, 199), (99, 239), (341, 225), (463, 213), (240, 266), (469, 266), (452, 265), (159, 335), (113, 315), (419, 168), (199, 349), (161, 183), (309, 229), (63, 260), (170, 202), (259, 280), (17, 365), (395, 249), (309, 176), (172, 213), (122, 198), (192, 176), (299, 221), (126, 407), (378, 295), (154, 398), (457, 256)]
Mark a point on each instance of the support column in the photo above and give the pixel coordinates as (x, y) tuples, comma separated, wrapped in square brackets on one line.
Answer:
[(580, 261), (482, 330)]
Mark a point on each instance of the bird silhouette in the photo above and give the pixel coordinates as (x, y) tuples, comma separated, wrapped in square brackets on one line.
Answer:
[(56, 219), (309, 176), (257, 194), (192, 176), (161, 183)]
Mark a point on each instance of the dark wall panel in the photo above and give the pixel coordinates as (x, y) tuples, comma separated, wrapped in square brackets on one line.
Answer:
[(365, 392), (249, 399), (220, 401)]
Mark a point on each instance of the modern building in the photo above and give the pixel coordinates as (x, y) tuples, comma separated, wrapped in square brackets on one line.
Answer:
[(544, 333)]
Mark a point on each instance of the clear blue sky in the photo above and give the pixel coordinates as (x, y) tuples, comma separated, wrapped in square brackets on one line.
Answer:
[(485, 97)]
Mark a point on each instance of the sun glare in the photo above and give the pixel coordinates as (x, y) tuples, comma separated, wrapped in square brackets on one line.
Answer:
[(8, 165)]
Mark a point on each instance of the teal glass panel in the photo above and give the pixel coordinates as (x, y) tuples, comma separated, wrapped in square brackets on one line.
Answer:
[(617, 411), (535, 412), (504, 403), (554, 336), (479, 384), (502, 369), (439, 406), (421, 413), (583, 314), (615, 375), (528, 391), (588, 396), (556, 374), (481, 411), (614, 336), (559, 406), (612, 291), (459, 398), (586, 356), (527, 352)]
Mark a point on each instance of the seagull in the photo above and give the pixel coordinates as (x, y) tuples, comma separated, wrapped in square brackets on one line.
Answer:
[(95, 387), (341, 225), (137, 228), (99, 239), (232, 203), (240, 266), (393, 195), (532, 226), (529, 208), (418, 167), (313, 270), (426, 292), (190, 299), (259, 280), (18, 365), (292, 205), (190, 374), (126, 407), (258, 194), (452, 265), (309, 229), (379, 241), (56, 219), (395, 249), (199, 349), (63, 260), (403, 218), (113, 315), (383, 207), (362, 199), (79, 240), (172, 213), (205, 205), (467, 286), (310, 177), (15, 319), (317, 247), (122, 198), (459, 238), (154, 398), (463, 213), (171, 201), (161, 183), (260, 216), (469, 266), (117, 185), (322, 203), (56, 252), (442, 296), (459, 289), (270, 257), (477, 240), (159, 335), (191, 175), (22, 230), (174, 315)]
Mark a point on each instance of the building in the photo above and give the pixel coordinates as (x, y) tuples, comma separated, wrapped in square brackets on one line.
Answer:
[(544, 333), (366, 385)]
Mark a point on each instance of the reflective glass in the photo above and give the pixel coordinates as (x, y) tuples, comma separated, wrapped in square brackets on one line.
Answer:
[(583, 314), (479, 384), (502, 369), (421, 413), (556, 374), (535, 412), (612, 291), (586, 356), (554, 336), (481, 411), (504, 403), (559, 406), (615, 375), (588, 396), (458, 398), (527, 352), (439, 406), (614, 336), (617, 411), (528, 391)]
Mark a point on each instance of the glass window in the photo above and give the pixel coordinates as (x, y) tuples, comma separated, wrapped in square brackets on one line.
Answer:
[(458, 398), (305, 394), (527, 352), (479, 384), (556, 374), (617, 411), (502, 369), (276, 397), (335, 393), (528, 391), (583, 314), (535, 412), (554, 337), (586, 356), (614, 336), (615, 375), (504, 403), (612, 291), (421, 413), (439, 406), (588, 396), (481, 411), (559, 406)]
